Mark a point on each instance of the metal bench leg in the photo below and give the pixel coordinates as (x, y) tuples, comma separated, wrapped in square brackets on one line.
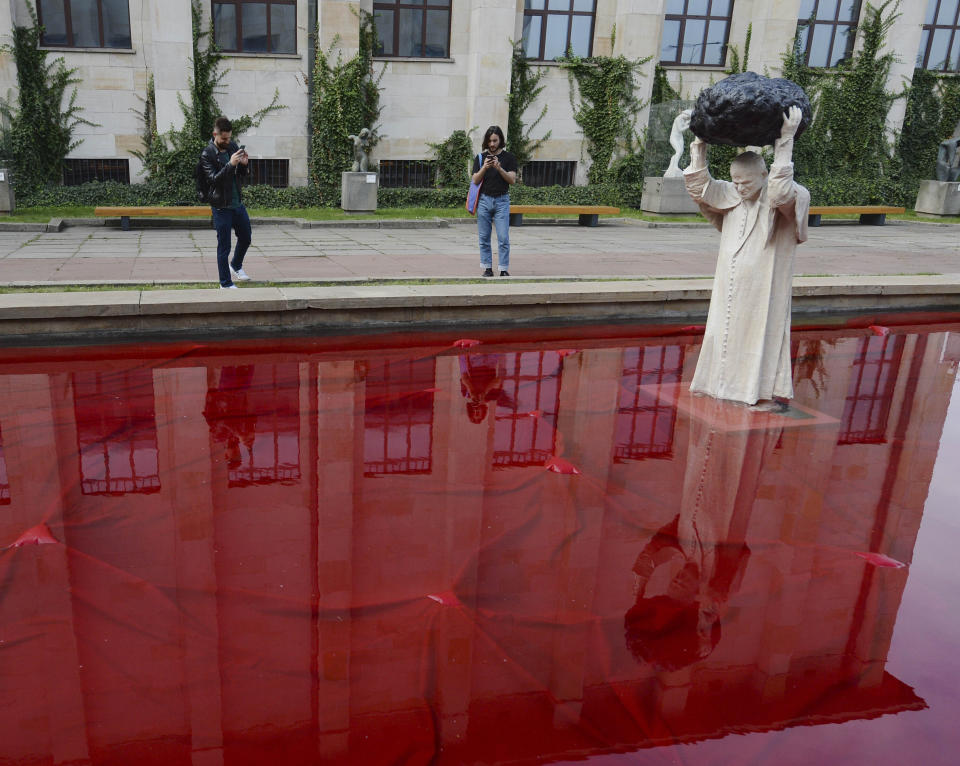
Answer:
[(516, 219), (125, 222), (588, 219), (873, 219), (813, 220)]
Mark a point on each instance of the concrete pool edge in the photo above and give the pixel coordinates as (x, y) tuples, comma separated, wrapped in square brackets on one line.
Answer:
[(26, 317)]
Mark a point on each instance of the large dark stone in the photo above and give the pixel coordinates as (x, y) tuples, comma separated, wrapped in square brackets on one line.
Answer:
[(747, 110)]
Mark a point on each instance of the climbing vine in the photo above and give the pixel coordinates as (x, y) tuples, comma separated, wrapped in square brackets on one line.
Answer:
[(608, 107), (169, 158), (932, 114), (453, 160), (40, 132), (346, 98), (525, 86)]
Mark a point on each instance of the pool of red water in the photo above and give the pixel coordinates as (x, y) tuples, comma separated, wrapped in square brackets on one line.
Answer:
[(479, 548)]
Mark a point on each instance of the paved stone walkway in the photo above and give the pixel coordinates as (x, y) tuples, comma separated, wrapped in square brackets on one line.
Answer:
[(620, 248)]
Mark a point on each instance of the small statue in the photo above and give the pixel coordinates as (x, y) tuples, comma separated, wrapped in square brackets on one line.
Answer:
[(361, 145), (680, 124), (948, 159)]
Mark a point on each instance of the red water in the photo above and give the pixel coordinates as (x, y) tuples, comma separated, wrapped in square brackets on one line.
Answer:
[(536, 548)]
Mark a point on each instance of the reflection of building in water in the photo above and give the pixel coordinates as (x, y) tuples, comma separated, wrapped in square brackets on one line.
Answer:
[(361, 615), (116, 431), (4, 481)]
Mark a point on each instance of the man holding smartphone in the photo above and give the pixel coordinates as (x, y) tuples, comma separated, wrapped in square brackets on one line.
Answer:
[(224, 163)]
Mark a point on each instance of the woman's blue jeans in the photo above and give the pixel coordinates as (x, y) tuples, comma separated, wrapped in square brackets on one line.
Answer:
[(494, 211)]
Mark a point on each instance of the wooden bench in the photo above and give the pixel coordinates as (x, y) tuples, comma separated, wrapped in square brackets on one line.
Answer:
[(588, 214), (171, 211), (871, 215)]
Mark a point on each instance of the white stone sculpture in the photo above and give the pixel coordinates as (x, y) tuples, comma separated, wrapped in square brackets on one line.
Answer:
[(680, 124), (745, 354)]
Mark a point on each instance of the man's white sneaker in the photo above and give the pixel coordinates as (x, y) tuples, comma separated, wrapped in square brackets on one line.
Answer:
[(239, 274), (229, 287)]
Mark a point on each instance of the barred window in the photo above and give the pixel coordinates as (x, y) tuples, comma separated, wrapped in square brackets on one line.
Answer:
[(85, 23), (549, 173), (525, 429), (552, 28), (870, 393), (695, 32), (274, 173), (255, 26), (420, 174), (940, 40), (76, 172), (413, 28), (827, 30), (646, 412)]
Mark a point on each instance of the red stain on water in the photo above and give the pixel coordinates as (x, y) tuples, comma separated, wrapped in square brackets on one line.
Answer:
[(358, 554)]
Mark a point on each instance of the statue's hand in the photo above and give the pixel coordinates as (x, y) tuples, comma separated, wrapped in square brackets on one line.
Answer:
[(683, 119), (791, 122)]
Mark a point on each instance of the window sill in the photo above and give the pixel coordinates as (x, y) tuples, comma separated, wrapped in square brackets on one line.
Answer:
[(415, 59), (250, 55), (74, 49), (699, 67)]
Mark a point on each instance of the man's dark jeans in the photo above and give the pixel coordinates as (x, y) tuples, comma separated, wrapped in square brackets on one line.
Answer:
[(225, 220)]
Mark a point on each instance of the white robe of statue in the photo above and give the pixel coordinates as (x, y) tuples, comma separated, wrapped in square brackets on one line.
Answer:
[(745, 354)]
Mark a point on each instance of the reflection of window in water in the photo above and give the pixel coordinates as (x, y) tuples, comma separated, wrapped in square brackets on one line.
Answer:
[(532, 383), (269, 451), (398, 417), (870, 393), (116, 431), (4, 480), (645, 414)]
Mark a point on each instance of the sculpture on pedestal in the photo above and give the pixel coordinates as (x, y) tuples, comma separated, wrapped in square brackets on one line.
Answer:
[(680, 124), (745, 355), (948, 159), (361, 147)]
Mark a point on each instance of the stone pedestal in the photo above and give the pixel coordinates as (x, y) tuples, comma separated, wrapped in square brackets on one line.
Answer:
[(667, 196), (938, 198), (7, 203), (358, 192)]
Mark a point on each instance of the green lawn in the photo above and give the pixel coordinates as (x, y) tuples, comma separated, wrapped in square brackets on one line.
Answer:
[(44, 214)]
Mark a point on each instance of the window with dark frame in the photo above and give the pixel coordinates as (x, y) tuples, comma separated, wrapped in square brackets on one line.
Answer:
[(695, 32), (275, 173), (85, 23), (413, 28), (646, 411), (549, 173), (827, 30), (870, 393), (76, 172), (940, 39), (255, 26), (552, 28)]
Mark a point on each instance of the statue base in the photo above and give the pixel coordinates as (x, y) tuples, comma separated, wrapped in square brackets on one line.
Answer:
[(938, 198), (358, 192), (666, 196)]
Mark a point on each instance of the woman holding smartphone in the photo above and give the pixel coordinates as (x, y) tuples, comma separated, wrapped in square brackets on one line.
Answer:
[(497, 169)]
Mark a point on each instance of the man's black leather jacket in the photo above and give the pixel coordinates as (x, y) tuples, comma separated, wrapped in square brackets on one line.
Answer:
[(220, 177)]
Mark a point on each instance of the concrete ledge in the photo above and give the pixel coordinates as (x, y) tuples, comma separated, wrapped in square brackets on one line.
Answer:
[(49, 317)]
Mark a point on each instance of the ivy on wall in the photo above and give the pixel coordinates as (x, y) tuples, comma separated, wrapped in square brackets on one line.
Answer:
[(169, 158), (346, 99), (607, 108), (525, 87), (453, 158), (932, 115), (40, 128)]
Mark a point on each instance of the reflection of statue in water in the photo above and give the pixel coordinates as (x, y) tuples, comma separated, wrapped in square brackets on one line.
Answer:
[(680, 124), (226, 413), (361, 145), (481, 381), (692, 566), (948, 158)]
